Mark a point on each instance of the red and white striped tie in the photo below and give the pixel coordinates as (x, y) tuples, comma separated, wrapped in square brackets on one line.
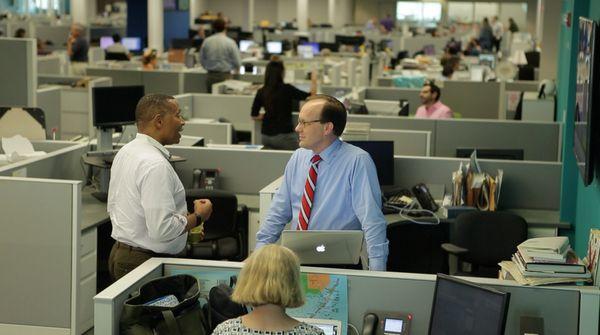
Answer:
[(309, 193)]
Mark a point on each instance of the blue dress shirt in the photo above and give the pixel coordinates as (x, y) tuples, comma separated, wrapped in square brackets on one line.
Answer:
[(347, 197), (220, 53)]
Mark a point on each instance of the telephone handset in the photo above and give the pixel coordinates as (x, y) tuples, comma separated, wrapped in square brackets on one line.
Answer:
[(424, 197), (370, 322)]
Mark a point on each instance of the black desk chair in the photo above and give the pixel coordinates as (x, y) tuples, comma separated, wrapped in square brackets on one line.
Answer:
[(416, 248), (226, 231), (116, 56), (483, 239)]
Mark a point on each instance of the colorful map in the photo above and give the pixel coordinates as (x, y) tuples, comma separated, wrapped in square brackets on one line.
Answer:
[(326, 298)]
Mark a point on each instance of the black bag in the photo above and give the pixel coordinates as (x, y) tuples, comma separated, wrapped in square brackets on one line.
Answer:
[(220, 307), (186, 318)]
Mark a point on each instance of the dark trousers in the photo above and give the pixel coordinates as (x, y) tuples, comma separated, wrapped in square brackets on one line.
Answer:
[(497, 43), (124, 258), (216, 77)]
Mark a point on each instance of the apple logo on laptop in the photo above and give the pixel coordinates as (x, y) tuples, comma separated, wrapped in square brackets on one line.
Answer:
[(321, 248)]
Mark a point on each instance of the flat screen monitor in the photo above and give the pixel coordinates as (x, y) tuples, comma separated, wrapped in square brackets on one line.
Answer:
[(274, 47), (462, 307), (132, 43), (305, 51), (106, 41), (382, 153), (487, 59), (313, 45), (510, 154), (585, 99), (333, 47), (350, 40), (245, 45), (115, 106)]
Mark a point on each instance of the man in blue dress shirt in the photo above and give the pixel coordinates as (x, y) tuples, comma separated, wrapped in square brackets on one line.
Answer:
[(342, 193)]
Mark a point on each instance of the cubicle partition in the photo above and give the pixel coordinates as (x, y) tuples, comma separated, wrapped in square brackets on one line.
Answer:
[(234, 109), (19, 72), (406, 142), (561, 308), (540, 141), (62, 161)]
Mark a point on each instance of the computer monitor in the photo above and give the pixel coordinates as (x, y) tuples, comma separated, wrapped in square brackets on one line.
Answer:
[(305, 51), (132, 43), (509, 154), (115, 106), (350, 40), (181, 43), (487, 59), (462, 307), (382, 153), (106, 41), (246, 44), (274, 47), (333, 47), (313, 45)]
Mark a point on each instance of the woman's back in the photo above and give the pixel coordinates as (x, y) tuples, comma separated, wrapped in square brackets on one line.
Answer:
[(236, 326)]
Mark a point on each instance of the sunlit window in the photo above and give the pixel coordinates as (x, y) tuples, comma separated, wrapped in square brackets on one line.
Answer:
[(418, 11)]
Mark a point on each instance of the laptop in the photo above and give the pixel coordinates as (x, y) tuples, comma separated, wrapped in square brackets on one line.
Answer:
[(329, 327), (324, 246)]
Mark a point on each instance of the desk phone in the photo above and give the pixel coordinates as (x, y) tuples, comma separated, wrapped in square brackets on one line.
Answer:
[(386, 323)]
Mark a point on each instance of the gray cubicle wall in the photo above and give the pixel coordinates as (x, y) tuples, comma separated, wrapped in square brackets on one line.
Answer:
[(541, 141), (475, 100), (37, 256), (522, 85), (213, 133), (406, 142), (50, 64), (57, 35), (120, 77), (63, 161), (240, 171), (48, 99), (165, 82), (19, 72), (526, 184), (401, 292), (194, 82)]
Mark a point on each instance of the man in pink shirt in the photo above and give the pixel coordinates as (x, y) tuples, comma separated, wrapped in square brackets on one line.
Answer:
[(432, 108)]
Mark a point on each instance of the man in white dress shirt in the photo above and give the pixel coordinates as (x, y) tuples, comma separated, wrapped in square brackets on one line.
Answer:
[(146, 199)]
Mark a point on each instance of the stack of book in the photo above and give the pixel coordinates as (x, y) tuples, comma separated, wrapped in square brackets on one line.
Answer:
[(545, 260)]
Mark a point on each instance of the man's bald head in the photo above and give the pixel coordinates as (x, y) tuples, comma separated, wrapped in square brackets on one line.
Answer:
[(150, 105)]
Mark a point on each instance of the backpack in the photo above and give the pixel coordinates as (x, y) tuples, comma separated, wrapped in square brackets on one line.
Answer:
[(220, 307)]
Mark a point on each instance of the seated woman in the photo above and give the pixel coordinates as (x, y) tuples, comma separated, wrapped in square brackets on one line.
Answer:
[(277, 99), (270, 283)]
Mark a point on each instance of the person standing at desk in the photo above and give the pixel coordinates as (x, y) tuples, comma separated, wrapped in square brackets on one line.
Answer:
[(146, 199), (277, 98), (77, 49), (219, 55), (432, 107), (328, 184)]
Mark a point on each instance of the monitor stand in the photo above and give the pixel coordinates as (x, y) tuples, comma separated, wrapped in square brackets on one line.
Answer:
[(104, 145)]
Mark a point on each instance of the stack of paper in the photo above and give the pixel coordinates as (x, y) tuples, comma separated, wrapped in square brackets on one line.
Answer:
[(539, 259), (17, 148)]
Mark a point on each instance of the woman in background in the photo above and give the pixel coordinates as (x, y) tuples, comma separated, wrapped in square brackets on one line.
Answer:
[(149, 61), (270, 283), (277, 98)]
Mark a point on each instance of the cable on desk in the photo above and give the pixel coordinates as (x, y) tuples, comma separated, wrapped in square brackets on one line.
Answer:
[(353, 327), (402, 210)]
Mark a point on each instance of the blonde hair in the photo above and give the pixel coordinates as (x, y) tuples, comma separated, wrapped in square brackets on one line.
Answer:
[(271, 275)]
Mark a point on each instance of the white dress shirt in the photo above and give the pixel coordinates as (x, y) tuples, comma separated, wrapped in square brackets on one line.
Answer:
[(146, 199)]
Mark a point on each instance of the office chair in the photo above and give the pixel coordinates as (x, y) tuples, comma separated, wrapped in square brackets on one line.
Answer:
[(116, 56), (226, 231), (483, 239), (416, 248), (28, 122)]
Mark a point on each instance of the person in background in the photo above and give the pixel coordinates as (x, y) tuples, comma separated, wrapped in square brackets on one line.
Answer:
[(149, 61), (447, 72), (20, 33), (432, 107), (199, 38), (117, 46), (77, 49), (146, 200), (270, 283), (388, 23), (277, 98), (473, 48), (486, 35), (512, 25), (498, 31), (339, 177), (219, 55)]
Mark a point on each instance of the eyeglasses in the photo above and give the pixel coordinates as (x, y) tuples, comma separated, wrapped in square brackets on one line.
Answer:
[(305, 123)]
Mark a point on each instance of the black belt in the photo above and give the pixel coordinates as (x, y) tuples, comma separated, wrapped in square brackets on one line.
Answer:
[(122, 245), (211, 71)]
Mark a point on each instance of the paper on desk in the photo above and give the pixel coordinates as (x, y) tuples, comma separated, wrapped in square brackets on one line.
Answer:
[(18, 147)]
